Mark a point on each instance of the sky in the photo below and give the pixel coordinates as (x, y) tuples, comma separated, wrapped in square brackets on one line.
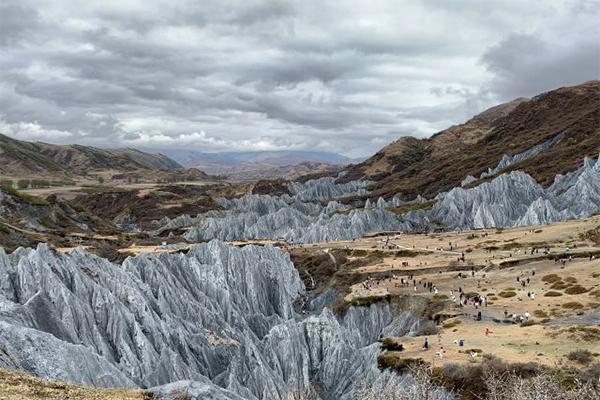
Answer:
[(341, 76)]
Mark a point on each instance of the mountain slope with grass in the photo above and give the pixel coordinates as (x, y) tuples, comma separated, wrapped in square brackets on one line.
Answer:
[(21, 158), (562, 126)]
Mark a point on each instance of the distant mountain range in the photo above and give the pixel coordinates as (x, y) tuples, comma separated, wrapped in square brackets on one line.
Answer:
[(258, 164), (21, 158)]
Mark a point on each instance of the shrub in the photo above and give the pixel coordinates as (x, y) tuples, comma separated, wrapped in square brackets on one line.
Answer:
[(398, 364), (507, 294), (6, 183), (573, 305), (452, 324), (427, 328), (531, 322), (553, 294), (23, 183), (551, 278), (559, 285), (540, 314), (576, 290), (580, 356), (390, 344)]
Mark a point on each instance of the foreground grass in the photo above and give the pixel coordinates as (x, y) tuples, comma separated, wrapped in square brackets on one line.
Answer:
[(18, 386)]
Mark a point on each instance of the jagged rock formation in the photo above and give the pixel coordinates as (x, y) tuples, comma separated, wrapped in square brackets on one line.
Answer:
[(508, 161), (515, 199), (326, 189), (292, 225), (580, 189), (293, 218), (219, 316), (468, 180), (489, 204)]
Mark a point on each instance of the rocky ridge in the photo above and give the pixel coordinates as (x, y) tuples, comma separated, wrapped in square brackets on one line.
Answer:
[(516, 199), (511, 199), (218, 320)]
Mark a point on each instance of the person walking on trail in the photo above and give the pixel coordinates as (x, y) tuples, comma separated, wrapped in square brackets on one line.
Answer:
[(426, 345)]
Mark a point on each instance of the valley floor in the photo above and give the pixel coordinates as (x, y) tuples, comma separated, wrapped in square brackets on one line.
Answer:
[(549, 275), (558, 263)]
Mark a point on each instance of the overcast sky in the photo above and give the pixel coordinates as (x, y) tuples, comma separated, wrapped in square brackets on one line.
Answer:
[(342, 76)]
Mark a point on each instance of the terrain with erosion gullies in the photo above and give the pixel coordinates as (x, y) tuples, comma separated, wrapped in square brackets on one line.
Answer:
[(321, 287)]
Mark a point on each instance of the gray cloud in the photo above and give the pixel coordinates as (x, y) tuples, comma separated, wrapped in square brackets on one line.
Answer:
[(524, 65), (227, 75), (17, 21)]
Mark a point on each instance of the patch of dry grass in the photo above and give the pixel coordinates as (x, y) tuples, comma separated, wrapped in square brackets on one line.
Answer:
[(19, 386), (553, 294)]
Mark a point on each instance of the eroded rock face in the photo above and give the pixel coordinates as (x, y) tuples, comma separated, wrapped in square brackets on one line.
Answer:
[(579, 192), (508, 161), (218, 320), (496, 203), (326, 189), (294, 226), (515, 199)]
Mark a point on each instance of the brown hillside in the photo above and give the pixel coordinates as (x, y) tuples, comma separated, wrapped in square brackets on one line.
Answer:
[(428, 166), (20, 158)]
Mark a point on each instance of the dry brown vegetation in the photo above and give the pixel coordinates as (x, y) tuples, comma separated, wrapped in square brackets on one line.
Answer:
[(18, 386)]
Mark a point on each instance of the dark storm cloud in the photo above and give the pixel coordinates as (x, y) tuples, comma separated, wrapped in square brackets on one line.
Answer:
[(17, 20), (271, 74), (524, 65)]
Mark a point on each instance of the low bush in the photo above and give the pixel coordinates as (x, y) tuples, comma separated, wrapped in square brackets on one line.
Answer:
[(576, 290), (553, 294), (559, 285), (531, 322), (580, 356), (573, 305), (390, 344), (398, 364), (507, 295), (551, 278)]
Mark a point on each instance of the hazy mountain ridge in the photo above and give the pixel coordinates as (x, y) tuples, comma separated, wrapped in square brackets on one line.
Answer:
[(287, 164), (20, 158)]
